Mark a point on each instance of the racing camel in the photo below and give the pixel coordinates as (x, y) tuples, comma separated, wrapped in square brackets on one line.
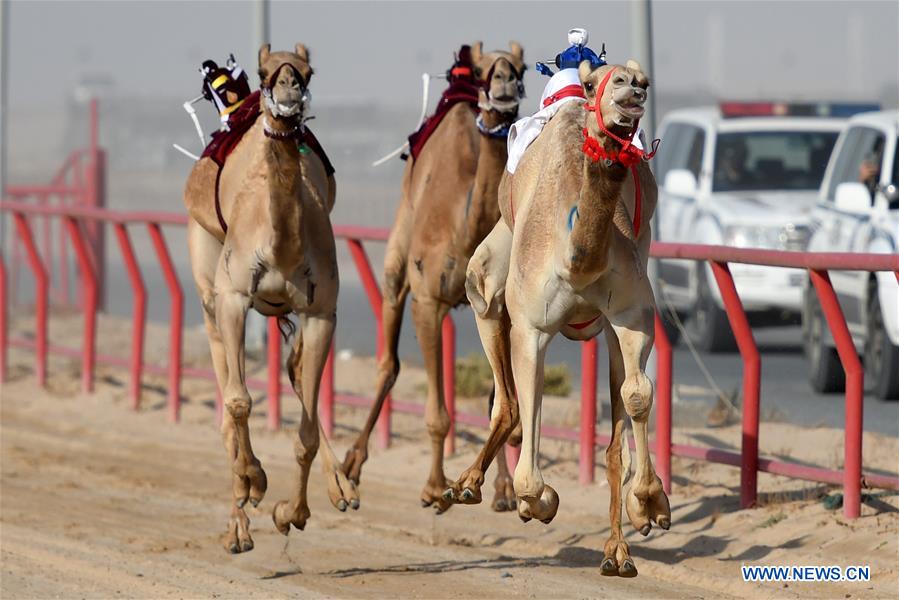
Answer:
[(447, 205), (569, 255), (260, 237)]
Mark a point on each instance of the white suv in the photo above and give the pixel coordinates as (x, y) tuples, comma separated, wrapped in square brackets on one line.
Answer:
[(744, 175), (858, 211)]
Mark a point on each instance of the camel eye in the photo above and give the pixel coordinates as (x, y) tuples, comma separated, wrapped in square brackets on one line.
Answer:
[(588, 86)]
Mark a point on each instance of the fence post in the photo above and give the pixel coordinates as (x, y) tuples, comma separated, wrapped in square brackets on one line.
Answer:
[(41, 301), (852, 467), (587, 460), (139, 316), (663, 404), (176, 319), (89, 304), (449, 381), (4, 323), (274, 374), (96, 198), (326, 396), (752, 374), (375, 300)]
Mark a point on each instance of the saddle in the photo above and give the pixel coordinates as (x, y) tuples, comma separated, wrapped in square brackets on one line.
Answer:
[(225, 141), (463, 87)]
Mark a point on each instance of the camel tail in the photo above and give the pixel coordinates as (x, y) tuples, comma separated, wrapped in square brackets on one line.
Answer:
[(625, 458), (287, 328)]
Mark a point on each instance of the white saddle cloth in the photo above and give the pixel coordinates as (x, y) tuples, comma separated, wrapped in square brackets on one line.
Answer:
[(525, 130)]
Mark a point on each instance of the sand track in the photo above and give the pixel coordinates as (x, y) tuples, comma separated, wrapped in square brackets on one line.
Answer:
[(98, 501)]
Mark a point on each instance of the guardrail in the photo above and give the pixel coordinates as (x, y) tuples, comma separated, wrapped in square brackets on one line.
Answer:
[(76, 219)]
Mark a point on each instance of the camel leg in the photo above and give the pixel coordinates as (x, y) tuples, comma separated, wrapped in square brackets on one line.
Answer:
[(428, 315), (616, 554), (494, 335), (305, 365), (536, 499), (231, 308), (646, 500), (204, 250), (396, 288)]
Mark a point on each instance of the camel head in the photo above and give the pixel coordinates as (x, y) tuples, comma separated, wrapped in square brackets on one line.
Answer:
[(500, 75), (622, 95), (284, 78)]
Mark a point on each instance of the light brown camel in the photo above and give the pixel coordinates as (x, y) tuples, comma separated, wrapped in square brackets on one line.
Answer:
[(569, 256), (448, 204), (276, 254)]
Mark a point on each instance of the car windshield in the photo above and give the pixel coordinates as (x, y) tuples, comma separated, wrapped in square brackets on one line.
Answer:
[(771, 160)]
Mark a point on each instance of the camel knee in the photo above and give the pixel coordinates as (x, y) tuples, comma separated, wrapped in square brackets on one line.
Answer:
[(306, 445), (636, 392), (394, 281), (239, 407), (389, 365), (438, 425)]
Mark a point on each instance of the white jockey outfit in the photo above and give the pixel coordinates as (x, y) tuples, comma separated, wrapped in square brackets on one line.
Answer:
[(557, 92)]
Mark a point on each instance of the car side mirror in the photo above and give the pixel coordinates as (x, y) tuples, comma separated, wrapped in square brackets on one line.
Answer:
[(680, 182), (853, 197), (890, 191)]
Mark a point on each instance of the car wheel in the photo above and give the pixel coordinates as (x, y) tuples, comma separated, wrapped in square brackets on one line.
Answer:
[(708, 327), (881, 356), (826, 373)]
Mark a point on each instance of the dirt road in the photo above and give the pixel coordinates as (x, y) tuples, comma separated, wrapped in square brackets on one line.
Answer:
[(98, 501)]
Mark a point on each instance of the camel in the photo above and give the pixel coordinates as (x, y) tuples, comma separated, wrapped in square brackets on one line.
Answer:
[(447, 205), (268, 246), (569, 255)]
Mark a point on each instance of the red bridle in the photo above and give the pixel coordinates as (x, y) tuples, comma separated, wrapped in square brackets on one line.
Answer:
[(629, 155)]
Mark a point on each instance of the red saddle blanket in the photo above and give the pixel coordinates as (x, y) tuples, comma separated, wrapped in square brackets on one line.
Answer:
[(224, 142), (458, 91)]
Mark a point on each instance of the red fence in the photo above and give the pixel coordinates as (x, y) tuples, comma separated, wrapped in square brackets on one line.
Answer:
[(76, 222)]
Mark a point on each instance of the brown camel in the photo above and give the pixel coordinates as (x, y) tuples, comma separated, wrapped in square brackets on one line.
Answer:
[(569, 256), (448, 204), (271, 248)]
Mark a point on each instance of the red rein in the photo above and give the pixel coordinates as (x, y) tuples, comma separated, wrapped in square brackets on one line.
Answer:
[(628, 156)]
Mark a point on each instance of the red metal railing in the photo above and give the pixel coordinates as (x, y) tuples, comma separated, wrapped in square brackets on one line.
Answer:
[(748, 460)]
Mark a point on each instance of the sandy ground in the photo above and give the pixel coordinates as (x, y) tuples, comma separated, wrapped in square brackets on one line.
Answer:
[(97, 501)]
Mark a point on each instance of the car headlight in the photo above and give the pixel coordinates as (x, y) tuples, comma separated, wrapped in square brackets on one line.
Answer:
[(753, 237)]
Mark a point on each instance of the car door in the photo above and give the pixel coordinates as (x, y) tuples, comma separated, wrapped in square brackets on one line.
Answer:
[(851, 231), (677, 214)]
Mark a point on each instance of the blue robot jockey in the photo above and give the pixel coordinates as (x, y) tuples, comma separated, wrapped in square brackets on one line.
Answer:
[(563, 86)]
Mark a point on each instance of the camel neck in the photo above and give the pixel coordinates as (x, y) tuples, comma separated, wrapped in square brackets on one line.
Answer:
[(590, 220), (482, 208), (284, 170)]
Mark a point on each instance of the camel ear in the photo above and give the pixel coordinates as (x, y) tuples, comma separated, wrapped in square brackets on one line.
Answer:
[(263, 53), (477, 52), (633, 65), (301, 51), (517, 50), (584, 70)]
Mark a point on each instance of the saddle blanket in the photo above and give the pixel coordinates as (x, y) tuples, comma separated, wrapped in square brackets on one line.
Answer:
[(224, 142), (458, 91)]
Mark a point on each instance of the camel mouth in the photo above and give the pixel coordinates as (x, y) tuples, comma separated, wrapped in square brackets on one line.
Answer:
[(504, 103)]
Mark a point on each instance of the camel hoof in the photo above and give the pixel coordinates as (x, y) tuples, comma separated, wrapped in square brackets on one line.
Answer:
[(627, 568), (448, 494), (255, 501), (341, 505), (425, 503), (523, 518), (644, 531), (664, 523), (354, 503), (246, 546), (234, 548), (241, 502), (500, 506), (608, 567), (467, 494)]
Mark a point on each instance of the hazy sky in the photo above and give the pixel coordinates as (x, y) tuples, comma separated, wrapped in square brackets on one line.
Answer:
[(375, 51)]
